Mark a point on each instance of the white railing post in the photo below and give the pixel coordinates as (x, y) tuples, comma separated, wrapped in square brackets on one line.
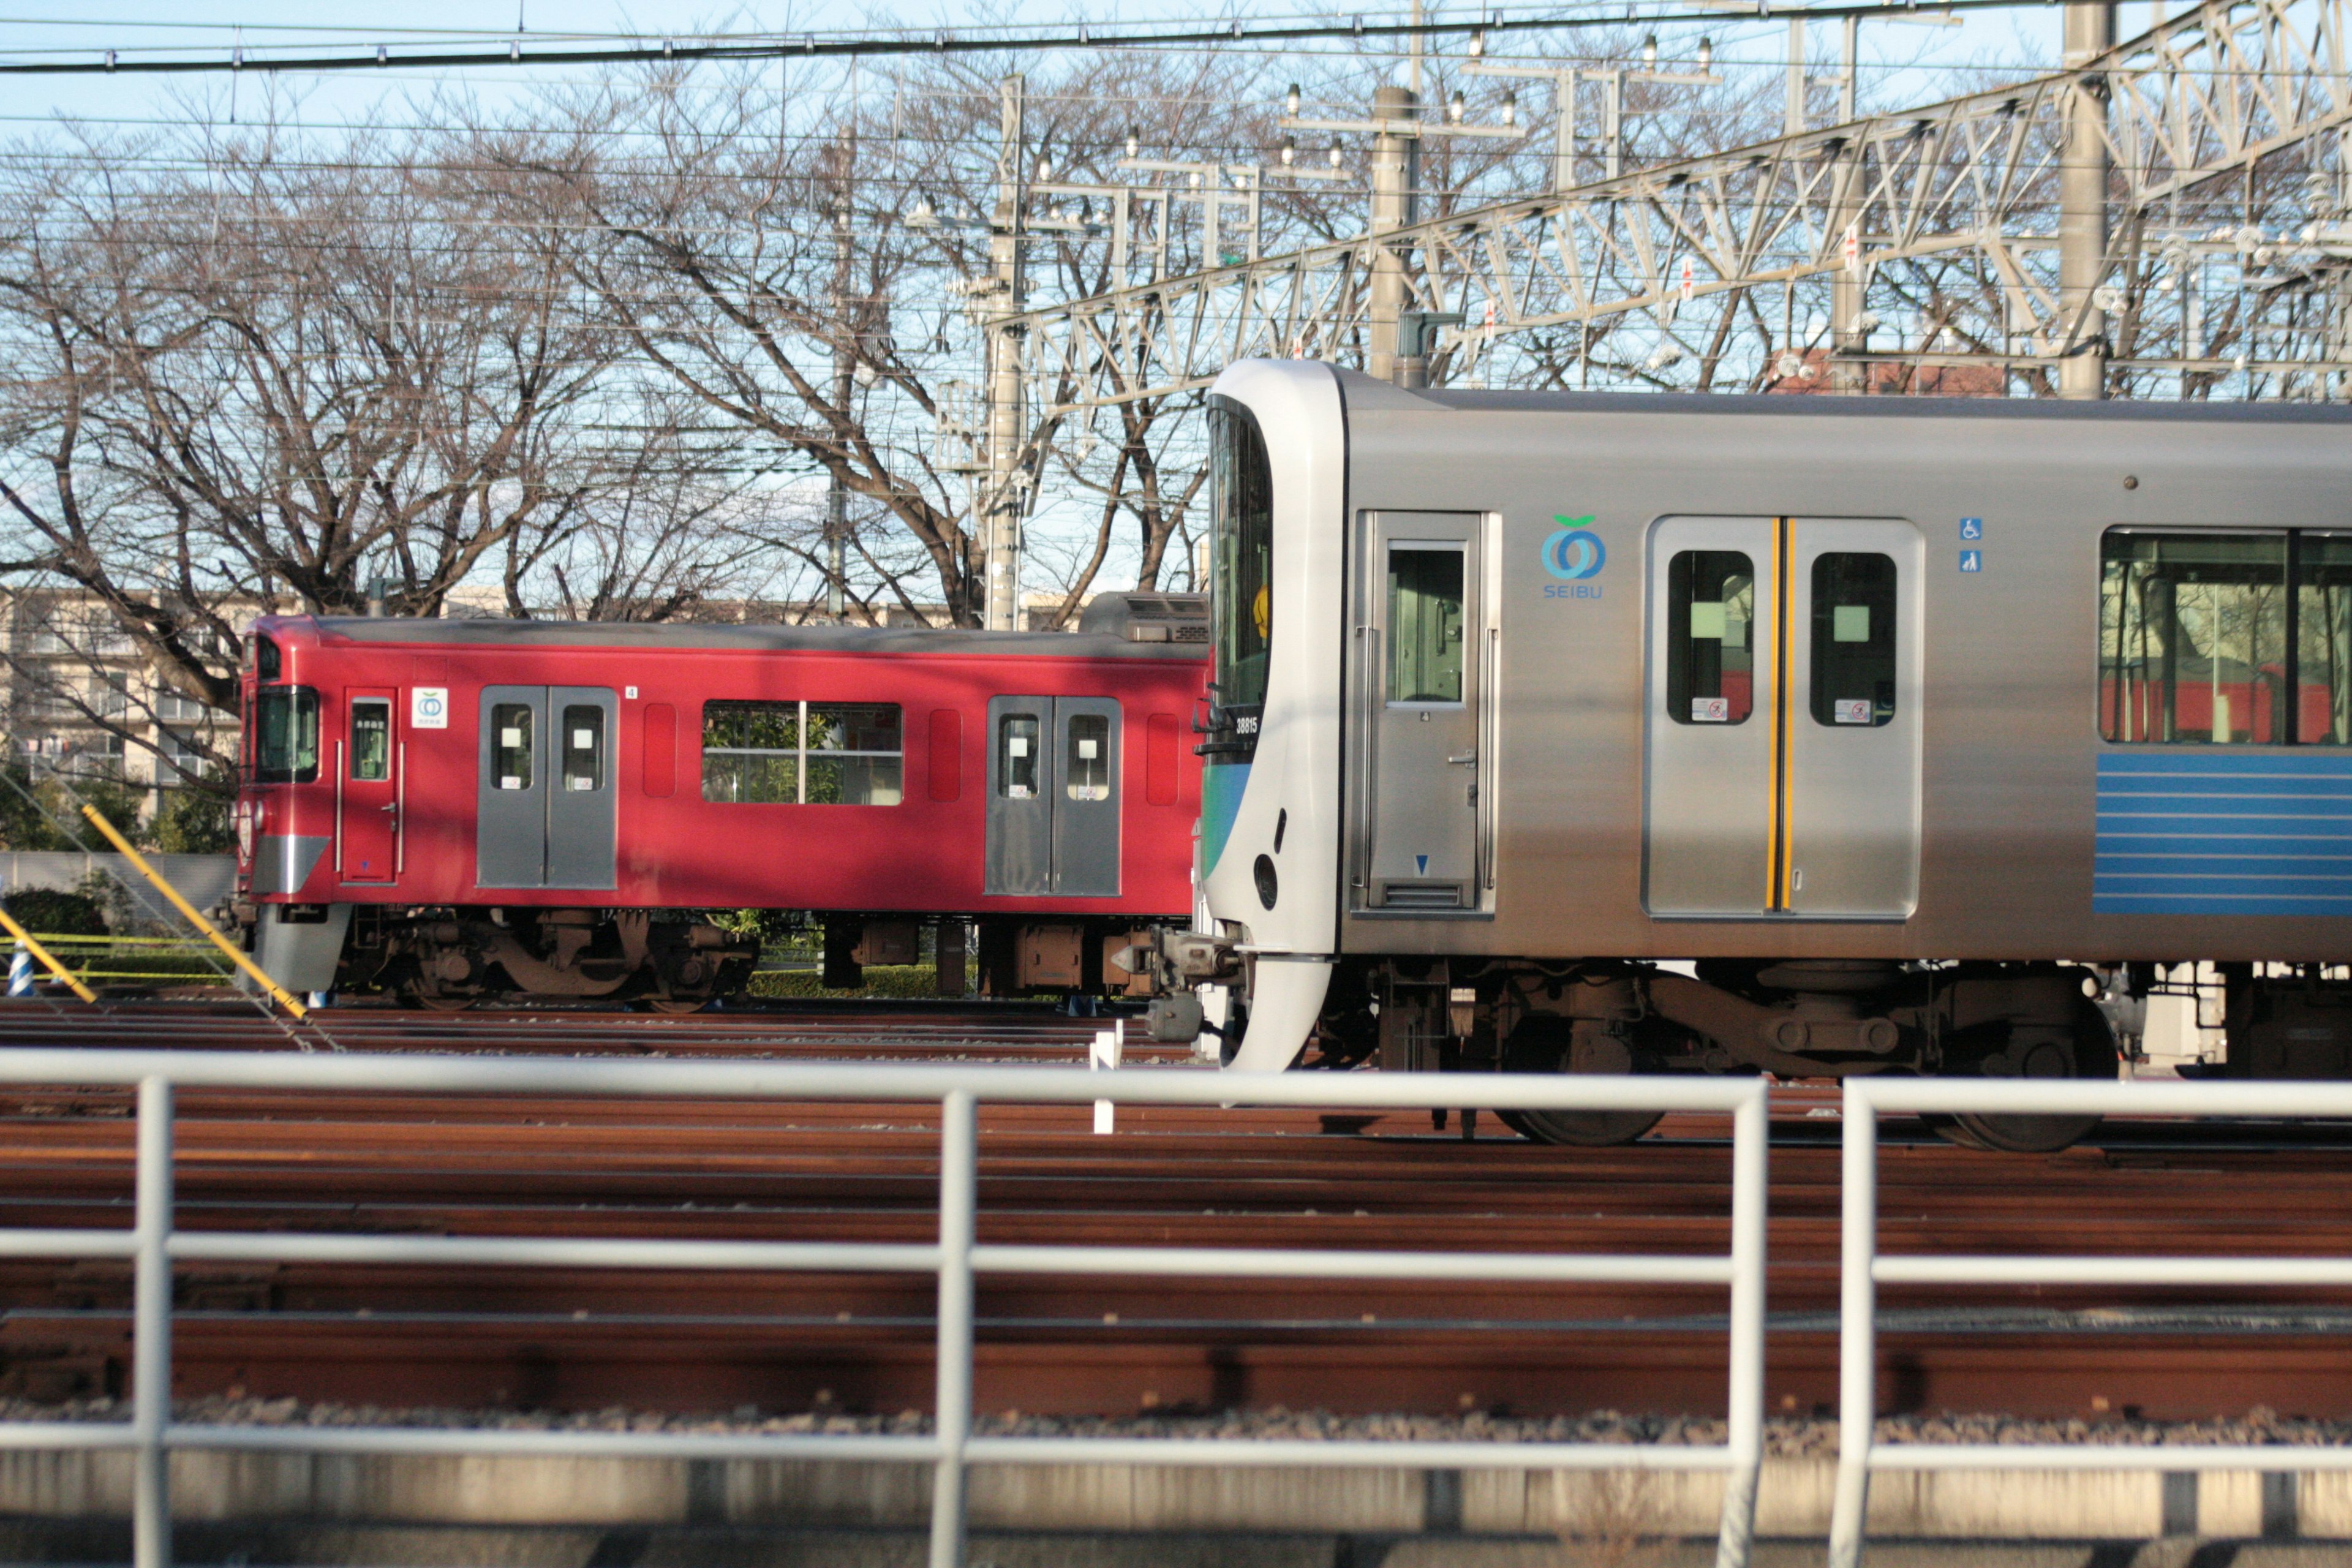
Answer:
[(151, 1343), (1103, 1055), (959, 1205), (1751, 1133), (1857, 1327)]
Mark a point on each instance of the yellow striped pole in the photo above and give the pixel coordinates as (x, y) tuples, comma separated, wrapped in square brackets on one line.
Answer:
[(237, 956)]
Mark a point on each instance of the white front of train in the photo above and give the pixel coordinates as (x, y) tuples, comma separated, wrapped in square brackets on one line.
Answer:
[(1270, 787)]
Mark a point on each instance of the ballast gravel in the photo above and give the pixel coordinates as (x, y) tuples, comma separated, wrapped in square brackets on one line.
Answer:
[(1783, 1436)]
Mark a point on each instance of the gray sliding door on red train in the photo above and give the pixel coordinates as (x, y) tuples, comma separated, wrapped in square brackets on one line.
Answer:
[(1783, 718), (545, 814), (1053, 796)]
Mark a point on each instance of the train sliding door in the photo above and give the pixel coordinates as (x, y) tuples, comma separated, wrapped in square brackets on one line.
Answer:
[(1783, 718), (1421, 684), (1053, 796), (545, 816)]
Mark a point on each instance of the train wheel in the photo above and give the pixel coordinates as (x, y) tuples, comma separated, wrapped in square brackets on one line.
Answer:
[(433, 1002), (677, 1005), (2092, 1056), (1546, 1043)]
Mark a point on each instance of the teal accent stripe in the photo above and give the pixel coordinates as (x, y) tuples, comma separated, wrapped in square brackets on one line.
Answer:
[(1221, 785)]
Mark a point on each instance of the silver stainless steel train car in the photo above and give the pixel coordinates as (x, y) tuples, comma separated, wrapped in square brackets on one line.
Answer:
[(1814, 736)]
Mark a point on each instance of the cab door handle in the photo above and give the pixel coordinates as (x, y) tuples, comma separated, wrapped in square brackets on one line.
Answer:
[(1466, 760)]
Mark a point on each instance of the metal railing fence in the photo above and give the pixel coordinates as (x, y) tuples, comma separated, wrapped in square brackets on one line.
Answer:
[(154, 1244), (1862, 1269)]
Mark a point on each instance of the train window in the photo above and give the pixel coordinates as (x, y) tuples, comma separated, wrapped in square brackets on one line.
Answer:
[(855, 755), (1241, 523), (371, 740), (2193, 641), (1425, 624), (2322, 603), (1086, 772), (1710, 609), (287, 750), (751, 752), (1016, 756), (584, 748), (267, 663), (1853, 639), (510, 745)]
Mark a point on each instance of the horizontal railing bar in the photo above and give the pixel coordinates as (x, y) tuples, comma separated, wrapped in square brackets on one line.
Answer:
[(16, 1436), (2105, 1456), (672, 1080), (1349, 1453), (913, 1447), (556, 1252), (2137, 1270), (1265, 1263), (20, 1243), (2064, 1097)]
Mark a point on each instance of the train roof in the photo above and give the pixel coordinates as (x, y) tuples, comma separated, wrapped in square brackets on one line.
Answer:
[(1363, 393), (748, 638)]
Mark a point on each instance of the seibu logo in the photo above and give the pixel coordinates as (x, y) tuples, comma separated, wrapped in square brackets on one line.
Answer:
[(1574, 554)]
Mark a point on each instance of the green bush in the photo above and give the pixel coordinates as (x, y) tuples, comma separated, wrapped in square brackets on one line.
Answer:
[(195, 818), (881, 979), (49, 911)]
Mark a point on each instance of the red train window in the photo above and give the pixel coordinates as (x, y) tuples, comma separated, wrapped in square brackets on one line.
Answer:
[(661, 750), (947, 753), (1159, 760)]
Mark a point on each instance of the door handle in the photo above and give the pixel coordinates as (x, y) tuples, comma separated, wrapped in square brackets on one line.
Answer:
[(1466, 760)]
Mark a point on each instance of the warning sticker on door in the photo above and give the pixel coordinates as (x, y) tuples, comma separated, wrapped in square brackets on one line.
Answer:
[(1853, 711), (1710, 710), (429, 706)]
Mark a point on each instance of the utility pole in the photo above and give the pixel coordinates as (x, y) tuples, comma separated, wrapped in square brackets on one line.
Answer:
[(844, 371), (1396, 189), (1002, 498), (2082, 208)]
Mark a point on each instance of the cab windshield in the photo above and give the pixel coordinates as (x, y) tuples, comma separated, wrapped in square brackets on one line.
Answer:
[(286, 746), (1240, 586)]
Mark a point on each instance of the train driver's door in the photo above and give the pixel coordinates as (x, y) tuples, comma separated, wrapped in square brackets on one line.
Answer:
[(1422, 677), (1783, 718), (367, 789)]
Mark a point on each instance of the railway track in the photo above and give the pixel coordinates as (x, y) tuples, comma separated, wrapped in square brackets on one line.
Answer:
[(586, 1339), (932, 1031)]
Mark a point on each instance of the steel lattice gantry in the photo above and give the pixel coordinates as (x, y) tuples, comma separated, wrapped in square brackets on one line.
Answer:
[(1896, 251)]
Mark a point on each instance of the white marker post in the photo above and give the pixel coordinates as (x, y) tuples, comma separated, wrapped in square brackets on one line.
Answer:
[(1103, 1057)]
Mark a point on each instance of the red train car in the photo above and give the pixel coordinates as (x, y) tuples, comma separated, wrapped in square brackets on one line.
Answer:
[(455, 809)]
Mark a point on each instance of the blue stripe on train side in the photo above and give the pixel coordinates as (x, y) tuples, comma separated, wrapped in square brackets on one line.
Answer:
[(2217, 832)]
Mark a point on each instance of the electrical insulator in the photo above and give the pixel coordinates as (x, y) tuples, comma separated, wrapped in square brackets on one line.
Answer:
[(1478, 43), (1650, 50), (1455, 108), (1134, 141), (1290, 151), (1510, 108), (1334, 154), (1706, 55), (1290, 100)]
